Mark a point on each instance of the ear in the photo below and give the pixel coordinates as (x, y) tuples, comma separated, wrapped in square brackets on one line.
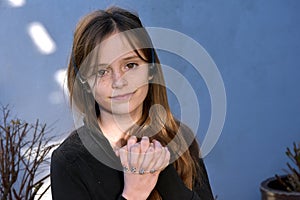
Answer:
[(151, 72), (150, 77)]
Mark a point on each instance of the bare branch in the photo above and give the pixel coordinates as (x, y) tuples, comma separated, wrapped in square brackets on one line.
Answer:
[(24, 150)]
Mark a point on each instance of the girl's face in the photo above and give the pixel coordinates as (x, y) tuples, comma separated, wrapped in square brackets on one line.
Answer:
[(121, 82)]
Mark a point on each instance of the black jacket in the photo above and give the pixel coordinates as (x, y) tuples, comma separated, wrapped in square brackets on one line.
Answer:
[(77, 175)]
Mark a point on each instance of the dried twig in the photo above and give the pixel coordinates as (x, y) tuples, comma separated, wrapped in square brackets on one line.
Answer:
[(292, 182), (24, 150)]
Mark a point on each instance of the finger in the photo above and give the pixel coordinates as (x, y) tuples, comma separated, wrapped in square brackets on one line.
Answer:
[(144, 144), (116, 150), (124, 158), (130, 142), (163, 160), (157, 146), (160, 160), (158, 149), (134, 157), (147, 163)]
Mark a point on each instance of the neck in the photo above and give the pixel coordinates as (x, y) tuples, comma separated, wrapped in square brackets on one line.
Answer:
[(115, 126)]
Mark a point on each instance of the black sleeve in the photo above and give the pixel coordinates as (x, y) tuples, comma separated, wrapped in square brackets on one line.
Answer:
[(63, 185), (171, 187)]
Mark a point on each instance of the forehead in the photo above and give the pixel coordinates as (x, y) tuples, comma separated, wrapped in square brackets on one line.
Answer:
[(113, 48)]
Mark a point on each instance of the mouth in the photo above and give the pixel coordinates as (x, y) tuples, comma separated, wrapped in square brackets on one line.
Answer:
[(122, 97)]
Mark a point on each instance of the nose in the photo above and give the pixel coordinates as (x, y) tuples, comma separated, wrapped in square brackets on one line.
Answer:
[(118, 79)]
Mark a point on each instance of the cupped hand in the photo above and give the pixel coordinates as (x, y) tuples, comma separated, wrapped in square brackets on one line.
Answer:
[(142, 162)]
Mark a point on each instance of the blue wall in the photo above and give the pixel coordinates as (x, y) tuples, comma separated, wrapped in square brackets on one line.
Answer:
[(255, 44)]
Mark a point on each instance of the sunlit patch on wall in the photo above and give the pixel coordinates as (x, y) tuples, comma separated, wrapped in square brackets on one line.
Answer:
[(61, 95), (41, 38), (16, 3), (60, 77)]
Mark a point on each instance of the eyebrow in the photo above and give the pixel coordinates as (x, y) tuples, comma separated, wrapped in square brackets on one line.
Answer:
[(130, 57)]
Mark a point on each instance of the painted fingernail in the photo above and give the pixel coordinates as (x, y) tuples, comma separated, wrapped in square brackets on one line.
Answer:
[(145, 138), (133, 137)]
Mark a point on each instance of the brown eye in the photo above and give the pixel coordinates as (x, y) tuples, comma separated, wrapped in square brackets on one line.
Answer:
[(131, 66)]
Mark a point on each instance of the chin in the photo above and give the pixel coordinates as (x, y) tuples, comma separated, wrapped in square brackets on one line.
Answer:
[(123, 111)]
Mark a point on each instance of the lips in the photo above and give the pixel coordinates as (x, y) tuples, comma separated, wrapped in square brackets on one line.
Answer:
[(122, 97)]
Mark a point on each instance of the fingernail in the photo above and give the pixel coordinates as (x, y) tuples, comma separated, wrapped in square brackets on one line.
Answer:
[(145, 138), (157, 142), (133, 137)]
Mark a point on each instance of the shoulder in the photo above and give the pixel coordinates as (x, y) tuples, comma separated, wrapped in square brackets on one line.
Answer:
[(70, 149), (187, 133), (189, 138)]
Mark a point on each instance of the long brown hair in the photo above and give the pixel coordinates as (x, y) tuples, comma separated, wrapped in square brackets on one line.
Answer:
[(93, 29)]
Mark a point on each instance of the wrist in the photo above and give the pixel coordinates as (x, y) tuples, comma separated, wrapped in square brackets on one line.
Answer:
[(133, 196)]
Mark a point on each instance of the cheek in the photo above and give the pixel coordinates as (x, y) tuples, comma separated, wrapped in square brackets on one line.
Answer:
[(144, 91), (139, 80), (101, 89), (139, 96)]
